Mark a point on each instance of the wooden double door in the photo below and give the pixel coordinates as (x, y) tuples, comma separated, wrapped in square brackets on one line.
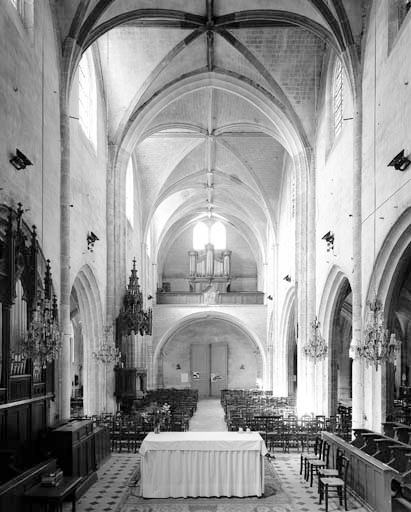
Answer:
[(208, 368)]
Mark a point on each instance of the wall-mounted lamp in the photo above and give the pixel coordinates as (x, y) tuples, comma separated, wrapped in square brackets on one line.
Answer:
[(270, 297), (20, 161), (287, 278), (329, 238), (400, 162), (178, 367), (149, 297), (242, 367), (91, 239)]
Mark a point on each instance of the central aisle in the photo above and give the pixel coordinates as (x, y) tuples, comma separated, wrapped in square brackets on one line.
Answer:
[(209, 416)]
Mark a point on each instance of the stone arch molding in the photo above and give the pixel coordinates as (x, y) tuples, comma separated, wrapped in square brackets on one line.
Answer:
[(289, 300), (328, 301), (388, 258), (190, 319), (91, 313)]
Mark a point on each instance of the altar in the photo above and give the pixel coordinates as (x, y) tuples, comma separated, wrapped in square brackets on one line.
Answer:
[(207, 464)]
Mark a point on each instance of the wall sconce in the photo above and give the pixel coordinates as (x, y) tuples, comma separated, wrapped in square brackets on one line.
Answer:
[(242, 367), (149, 297), (287, 278), (20, 161), (270, 297), (400, 162), (329, 238), (178, 367), (91, 239)]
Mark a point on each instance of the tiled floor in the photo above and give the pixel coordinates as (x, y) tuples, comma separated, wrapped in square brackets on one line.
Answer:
[(112, 486), (304, 497), (116, 476), (115, 484)]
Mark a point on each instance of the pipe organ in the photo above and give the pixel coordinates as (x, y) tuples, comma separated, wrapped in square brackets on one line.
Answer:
[(208, 268)]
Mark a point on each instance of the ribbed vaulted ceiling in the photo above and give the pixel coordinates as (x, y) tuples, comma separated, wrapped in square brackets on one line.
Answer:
[(194, 85)]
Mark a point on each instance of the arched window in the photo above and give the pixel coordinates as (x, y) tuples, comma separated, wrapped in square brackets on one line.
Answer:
[(130, 192), (218, 235), (200, 236), (87, 105), (338, 96)]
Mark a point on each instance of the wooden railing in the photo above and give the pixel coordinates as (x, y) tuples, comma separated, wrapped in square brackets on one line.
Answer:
[(368, 478)]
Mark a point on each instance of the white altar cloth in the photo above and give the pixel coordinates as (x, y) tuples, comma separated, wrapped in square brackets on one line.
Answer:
[(191, 464)]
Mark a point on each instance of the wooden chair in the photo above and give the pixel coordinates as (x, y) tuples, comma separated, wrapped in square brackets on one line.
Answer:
[(315, 464), (336, 485), (291, 433), (328, 472), (275, 434), (115, 434), (311, 456), (308, 432)]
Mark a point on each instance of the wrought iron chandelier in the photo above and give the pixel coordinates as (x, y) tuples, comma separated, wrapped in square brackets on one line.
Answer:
[(43, 340), (107, 352), (316, 347), (379, 345)]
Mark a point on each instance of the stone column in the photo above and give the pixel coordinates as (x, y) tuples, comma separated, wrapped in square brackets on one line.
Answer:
[(273, 340), (110, 216), (64, 382), (313, 395), (357, 370), (301, 279)]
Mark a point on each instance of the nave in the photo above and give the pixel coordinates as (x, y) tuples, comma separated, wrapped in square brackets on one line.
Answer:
[(117, 490)]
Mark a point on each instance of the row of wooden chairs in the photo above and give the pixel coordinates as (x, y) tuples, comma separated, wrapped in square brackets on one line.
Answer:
[(289, 432), (331, 481), (259, 402)]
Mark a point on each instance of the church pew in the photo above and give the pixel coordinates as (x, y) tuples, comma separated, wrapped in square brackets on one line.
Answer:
[(386, 450), (398, 431), (402, 433), (359, 441), (370, 445), (368, 478)]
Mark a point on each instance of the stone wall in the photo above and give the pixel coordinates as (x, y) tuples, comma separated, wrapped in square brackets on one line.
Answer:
[(242, 356)]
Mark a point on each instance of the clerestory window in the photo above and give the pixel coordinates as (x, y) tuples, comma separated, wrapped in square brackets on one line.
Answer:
[(130, 192), (87, 97), (338, 97), (214, 234), (200, 236), (218, 235)]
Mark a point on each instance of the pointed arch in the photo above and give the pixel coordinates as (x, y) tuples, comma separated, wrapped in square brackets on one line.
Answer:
[(335, 291), (86, 290), (283, 349)]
